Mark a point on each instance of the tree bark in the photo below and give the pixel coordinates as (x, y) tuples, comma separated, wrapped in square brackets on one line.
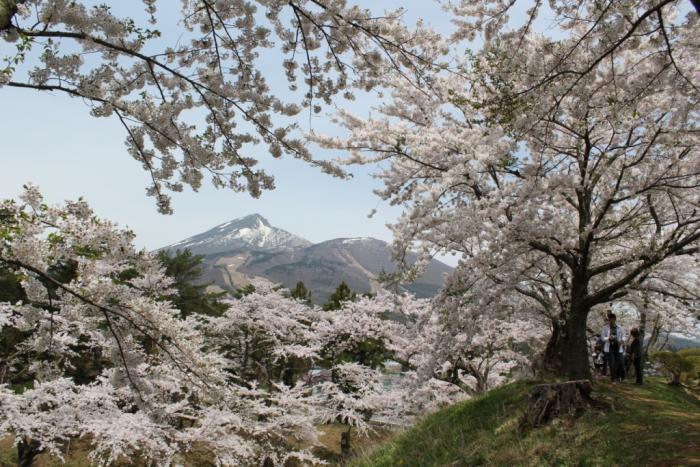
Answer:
[(345, 446), (549, 401), (27, 450), (552, 360), (567, 350), (566, 353)]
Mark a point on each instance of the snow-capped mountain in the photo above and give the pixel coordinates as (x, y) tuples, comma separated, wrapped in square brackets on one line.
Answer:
[(250, 233), (249, 247)]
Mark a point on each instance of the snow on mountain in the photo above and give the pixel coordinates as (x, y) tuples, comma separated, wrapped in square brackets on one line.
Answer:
[(250, 233), (250, 247)]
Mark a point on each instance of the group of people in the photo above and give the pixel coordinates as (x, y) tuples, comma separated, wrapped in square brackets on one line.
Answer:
[(611, 353)]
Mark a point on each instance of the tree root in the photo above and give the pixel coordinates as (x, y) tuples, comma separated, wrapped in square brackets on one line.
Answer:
[(547, 402)]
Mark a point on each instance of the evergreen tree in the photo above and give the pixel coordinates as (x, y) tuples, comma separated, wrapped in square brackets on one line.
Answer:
[(300, 292), (10, 292), (185, 269), (245, 290), (342, 294), (10, 287)]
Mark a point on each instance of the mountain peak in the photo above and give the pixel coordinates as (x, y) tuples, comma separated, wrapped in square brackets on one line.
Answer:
[(251, 221), (251, 233)]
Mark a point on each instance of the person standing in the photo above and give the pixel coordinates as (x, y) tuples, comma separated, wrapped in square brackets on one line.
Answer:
[(598, 355), (635, 353), (614, 337)]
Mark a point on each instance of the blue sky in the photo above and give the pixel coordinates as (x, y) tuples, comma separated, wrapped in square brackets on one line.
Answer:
[(51, 140)]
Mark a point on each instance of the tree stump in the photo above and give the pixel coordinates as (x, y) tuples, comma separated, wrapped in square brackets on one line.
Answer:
[(549, 401)]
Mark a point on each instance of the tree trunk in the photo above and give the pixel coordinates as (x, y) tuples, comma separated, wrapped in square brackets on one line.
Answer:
[(653, 337), (643, 317), (675, 378), (552, 360), (549, 401), (567, 350), (27, 450), (345, 446)]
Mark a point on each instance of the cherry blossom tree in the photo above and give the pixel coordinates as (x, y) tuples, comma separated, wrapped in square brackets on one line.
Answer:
[(356, 342), (160, 92), (475, 346), (487, 352), (265, 336), (101, 354), (666, 302), (566, 176), (150, 389), (600, 30), (269, 338)]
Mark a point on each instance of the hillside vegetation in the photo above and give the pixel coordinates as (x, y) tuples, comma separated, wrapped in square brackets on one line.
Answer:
[(650, 425)]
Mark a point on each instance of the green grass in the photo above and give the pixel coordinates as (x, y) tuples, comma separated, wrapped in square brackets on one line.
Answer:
[(8, 455), (650, 425)]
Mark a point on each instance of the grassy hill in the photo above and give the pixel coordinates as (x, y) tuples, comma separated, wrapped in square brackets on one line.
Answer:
[(650, 425)]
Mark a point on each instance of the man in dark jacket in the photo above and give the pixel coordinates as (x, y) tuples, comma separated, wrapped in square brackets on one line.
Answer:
[(635, 353)]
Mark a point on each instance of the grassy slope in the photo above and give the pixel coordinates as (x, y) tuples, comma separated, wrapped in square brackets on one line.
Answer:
[(650, 425)]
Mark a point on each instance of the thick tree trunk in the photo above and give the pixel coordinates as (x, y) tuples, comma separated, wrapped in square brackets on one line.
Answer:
[(552, 360), (549, 401), (27, 450), (567, 350)]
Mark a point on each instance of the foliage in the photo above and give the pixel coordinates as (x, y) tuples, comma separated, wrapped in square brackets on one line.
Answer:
[(244, 291), (300, 292), (674, 364), (563, 170), (10, 287), (693, 355), (191, 297), (100, 355), (343, 293), (159, 92)]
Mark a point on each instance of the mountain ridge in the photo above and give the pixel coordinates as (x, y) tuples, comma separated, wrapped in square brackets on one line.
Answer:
[(250, 232), (248, 247)]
